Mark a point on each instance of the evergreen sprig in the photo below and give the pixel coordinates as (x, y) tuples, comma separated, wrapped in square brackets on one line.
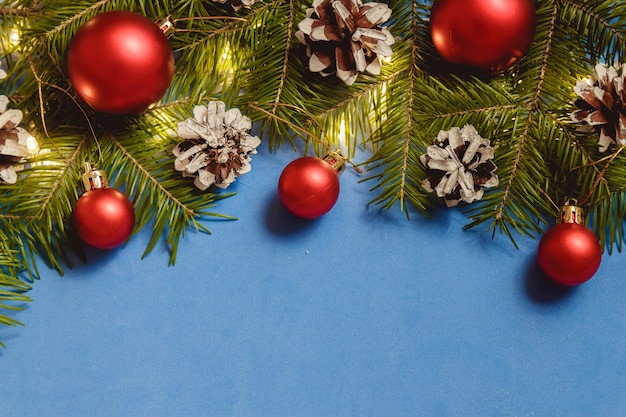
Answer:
[(251, 59)]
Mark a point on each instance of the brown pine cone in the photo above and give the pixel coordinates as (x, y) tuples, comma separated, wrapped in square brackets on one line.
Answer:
[(602, 104), (237, 4), (13, 142), (345, 37)]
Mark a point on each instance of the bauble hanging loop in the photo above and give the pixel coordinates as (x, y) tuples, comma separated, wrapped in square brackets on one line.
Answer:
[(570, 253), (308, 187), (103, 217)]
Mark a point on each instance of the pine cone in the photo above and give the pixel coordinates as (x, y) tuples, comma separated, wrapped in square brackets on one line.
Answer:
[(237, 4), (13, 141), (602, 104), (459, 165), (345, 37), (217, 148)]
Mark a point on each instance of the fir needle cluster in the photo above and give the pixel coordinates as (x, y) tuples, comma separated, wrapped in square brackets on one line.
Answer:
[(249, 58)]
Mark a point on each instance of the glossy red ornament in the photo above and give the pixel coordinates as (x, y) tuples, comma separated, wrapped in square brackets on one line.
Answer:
[(569, 253), (103, 217), (120, 63), (309, 187), (490, 35)]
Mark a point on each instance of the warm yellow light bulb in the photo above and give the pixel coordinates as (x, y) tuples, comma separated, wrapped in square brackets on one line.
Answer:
[(226, 53), (341, 137), (32, 145), (14, 36)]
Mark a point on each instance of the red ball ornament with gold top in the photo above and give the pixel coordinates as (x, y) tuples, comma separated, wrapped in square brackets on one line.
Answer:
[(309, 186), (120, 62), (103, 217), (569, 253), (490, 35)]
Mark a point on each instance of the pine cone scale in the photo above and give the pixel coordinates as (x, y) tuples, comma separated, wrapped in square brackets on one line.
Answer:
[(343, 17)]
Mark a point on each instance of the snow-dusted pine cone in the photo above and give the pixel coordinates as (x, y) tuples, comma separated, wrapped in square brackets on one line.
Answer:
[(217, 145), (237, 4), (459, 166), (602, 104), (13, 141), (346, 37)]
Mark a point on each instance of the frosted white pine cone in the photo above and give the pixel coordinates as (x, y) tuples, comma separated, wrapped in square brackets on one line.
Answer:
[(13, 141), (459, 166), (217, 145)]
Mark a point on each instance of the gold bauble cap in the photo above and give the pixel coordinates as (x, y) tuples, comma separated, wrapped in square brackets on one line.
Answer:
[(93, 178), (572, 213)]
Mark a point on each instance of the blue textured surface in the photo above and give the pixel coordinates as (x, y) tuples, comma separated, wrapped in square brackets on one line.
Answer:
[(360, 313)]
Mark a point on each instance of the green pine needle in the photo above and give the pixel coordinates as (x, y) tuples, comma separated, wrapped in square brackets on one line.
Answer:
[(251, 59)]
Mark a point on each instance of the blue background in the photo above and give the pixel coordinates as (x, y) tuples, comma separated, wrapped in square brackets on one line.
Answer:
[(359, 313)]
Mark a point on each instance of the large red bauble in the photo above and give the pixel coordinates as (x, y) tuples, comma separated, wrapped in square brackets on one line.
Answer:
[(103, 218), (120, 63), (569, 253), (490, 35), (308, 187)]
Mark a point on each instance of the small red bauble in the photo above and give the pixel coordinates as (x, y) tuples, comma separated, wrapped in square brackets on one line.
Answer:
[(103, 217), (490, 35), (308, 187), (120, 63), (569, 253)]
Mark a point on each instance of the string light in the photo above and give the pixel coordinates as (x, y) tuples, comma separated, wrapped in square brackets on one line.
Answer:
[(226, 54), (32, 146), (341, 137), (14, 37)]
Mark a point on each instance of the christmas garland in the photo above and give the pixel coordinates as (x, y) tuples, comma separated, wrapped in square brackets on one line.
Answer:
[(318, 70)]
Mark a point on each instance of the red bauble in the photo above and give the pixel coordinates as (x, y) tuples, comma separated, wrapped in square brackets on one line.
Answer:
[(308, 187), (569, 253), (103, 218), (120, 63), (490, 35)]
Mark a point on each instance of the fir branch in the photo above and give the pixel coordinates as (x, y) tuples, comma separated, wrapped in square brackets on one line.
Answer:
[(397, 155), (250, 58), (352, 113), (602, 23), (54, 32), (142, 171), (269, 62), (406, 147), (286, 53), (16, 11), (146, 169), (304, 132)]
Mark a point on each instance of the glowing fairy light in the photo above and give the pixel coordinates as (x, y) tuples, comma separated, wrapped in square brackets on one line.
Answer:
[(383, 101), (14, 37), (227, 64), (226, 54), (32, 146), (341, 136), (385, 59)]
